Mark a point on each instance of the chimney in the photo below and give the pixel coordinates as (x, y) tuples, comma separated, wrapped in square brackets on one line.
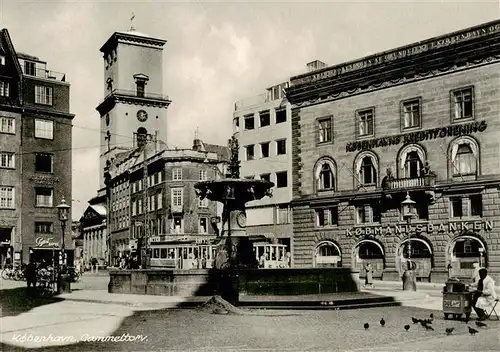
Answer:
[(315, 65)]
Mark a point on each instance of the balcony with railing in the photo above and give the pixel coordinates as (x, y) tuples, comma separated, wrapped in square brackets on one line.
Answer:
[(252, 101), (410, 182), (43, 73)]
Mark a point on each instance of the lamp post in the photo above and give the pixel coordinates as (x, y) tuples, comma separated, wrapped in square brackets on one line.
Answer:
[(63, 209), (408, 210)]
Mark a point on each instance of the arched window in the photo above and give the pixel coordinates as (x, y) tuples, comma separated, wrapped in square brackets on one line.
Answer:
[(370, 250), (464, 156), (413, 165), (325, 175), (467, 247), (141, 136), (419, 249), (367, 173), (327, 254)]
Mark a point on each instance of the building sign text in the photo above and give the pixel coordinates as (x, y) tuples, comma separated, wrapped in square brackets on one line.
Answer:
[(389, 230), (46, 242), (414, 137), (398, 54)]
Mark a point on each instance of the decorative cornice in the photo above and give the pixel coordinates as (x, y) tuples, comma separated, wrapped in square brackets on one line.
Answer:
[(44, 180), (316, 98), (112, 99)]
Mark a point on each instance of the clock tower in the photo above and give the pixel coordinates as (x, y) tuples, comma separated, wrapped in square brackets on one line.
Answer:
[(134, 108)]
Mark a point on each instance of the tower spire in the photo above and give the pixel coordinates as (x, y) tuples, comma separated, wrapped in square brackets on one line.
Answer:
[(132, 28), (196, 133)]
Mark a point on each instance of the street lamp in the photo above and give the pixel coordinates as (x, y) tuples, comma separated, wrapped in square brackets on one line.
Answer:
[(408, 210), (63, 209)]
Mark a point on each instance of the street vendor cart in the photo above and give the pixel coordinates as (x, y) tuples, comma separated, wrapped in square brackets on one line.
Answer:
[(456, 300)]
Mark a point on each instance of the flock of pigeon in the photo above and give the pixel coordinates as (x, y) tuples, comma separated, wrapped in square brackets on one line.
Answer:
[(426, 323)]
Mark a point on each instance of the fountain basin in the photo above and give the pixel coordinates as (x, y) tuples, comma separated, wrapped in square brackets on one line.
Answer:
[(258, 282)]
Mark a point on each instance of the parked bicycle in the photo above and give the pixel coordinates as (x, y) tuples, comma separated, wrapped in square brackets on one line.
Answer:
[(13, 273), (74, 275)]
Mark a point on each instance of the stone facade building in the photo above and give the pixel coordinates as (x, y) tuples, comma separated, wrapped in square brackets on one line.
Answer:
[(93, 231), (35, 156), (421, 119)]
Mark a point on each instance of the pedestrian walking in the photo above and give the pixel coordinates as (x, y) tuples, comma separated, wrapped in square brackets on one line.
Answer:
[(369, 275), (31, 269)]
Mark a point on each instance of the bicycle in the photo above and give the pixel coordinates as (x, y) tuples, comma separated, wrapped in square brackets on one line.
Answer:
[(11, 273), (73, 274)]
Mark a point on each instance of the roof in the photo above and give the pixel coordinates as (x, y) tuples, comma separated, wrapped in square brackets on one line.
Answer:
[(100, 209), (223, 152), (134, 32)]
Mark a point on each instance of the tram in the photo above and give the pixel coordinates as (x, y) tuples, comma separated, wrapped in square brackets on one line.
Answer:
[(271, 255), (183, 255)]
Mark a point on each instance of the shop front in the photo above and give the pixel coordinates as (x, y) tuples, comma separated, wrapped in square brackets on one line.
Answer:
[(6, 249)]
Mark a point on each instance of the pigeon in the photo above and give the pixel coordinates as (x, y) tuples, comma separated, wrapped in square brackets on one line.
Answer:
[(478, 323), (366, 326), (382, 322), (449, 331), (472, 331), (431, 316), (415, 320), (423, 323), (427, 321), (407, 327), (429, 327)]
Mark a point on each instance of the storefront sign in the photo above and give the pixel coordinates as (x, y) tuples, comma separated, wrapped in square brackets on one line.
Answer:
[(46, 242), (430, 228), (398, 54), (413, 137)]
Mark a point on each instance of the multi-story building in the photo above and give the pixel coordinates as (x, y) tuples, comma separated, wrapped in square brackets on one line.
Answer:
[(35, 148), (422, 119), (93, 231), (161, 204), (262, 125)]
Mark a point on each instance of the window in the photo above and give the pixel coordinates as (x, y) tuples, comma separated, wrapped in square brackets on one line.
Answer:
[(367, 172), (7, 160), (411, 114), (264, 150), (203, 203), (7, 125), (4, 89), (203, 225), (463, 104), (236, 124), (280, 115), (43, 197), (466, 206), (177, 224), (43, 162), (249, 122), (365, 122), (325, 179), (29, 68), (7, 197), (265, 118), (281, 147), (465, 161), (327, 216), (134, 208), (265, 177), (44, 227), (2, 60), (140, 88), (177, 195), (44, 129), (284, 215), (203, 175), (177, 174), (368, 213), (250, 152), (413, 165), (43, 95), (325, 130), (281, 179)]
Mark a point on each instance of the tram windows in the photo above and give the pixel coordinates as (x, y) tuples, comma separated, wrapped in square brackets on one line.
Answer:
[(156, 253), (163, 253)]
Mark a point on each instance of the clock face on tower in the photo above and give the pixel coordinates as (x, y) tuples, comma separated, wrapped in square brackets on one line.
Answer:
[(142, 115)]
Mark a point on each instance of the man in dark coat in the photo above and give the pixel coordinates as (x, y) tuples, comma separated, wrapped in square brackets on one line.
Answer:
[(31, 275)]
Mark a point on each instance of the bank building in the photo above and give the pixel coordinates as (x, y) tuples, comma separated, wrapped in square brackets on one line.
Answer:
[(421, 120)]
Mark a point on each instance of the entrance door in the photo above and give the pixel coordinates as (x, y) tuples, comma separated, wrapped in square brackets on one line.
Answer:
[(421, 256), (466, 251), (327, 255), (369, 252), (6, 251)]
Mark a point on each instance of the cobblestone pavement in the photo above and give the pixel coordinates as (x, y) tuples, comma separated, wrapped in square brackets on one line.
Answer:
[(192, 330)]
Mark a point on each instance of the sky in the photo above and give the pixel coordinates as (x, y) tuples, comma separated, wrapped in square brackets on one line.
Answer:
[(216, 53)]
